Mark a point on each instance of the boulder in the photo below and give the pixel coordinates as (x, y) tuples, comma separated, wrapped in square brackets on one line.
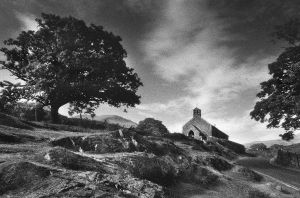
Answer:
[(150, 167), (67, 159), (134, 187), (20, 174), (102, 143)]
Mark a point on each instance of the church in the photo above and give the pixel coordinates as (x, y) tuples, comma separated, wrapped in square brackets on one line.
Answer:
[(199, 128)]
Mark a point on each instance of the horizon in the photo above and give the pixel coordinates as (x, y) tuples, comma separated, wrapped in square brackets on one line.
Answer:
[(293, 141), (197, 53)]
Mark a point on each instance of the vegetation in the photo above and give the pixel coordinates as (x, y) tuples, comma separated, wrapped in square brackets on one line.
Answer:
[(150, 126), (279, 98), (258, 147), (66, 61), (236, 147), (13, 122), (26, 111), (257, 194)]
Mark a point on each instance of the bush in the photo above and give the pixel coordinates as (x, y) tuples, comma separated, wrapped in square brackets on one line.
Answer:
[(27, 111), (177, 137), (258, 147), (238, 148), (257, 194), (150, 126), (248, 174), (201, 175)]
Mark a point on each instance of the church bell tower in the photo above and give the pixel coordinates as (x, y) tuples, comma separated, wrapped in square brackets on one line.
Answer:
[(197, 112)]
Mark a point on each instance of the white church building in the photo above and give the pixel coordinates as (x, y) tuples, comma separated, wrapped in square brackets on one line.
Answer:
[(199, 128)]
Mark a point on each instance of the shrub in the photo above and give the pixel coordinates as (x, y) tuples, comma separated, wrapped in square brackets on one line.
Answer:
[(248, 173), (150, 126), (257, 194), (201, 175), (259, 147), (177, 136), (238, 148)]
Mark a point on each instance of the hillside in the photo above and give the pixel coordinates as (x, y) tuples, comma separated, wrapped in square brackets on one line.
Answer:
[(269, 143), (295, 148), (113, 119), (45, 163)]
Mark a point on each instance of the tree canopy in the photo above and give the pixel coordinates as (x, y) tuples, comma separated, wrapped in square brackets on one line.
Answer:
[(66, 61), (279, 98)]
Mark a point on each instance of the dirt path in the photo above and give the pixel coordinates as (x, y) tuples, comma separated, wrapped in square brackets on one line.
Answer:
[(263, 166)]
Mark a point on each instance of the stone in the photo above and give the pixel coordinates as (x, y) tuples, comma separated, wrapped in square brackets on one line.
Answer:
[(279, 188)]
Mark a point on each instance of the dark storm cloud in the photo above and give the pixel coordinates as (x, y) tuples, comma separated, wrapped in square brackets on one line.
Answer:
[(130, 19), (209, 53), (251, 22)]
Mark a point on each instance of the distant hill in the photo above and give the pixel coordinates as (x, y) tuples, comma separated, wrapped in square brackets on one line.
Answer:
[(113, 119), (295, 148), (269, 143)]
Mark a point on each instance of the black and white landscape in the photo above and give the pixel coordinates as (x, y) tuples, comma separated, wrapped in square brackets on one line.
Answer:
[(150, 98)]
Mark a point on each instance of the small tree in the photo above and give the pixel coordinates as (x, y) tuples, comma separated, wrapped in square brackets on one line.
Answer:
[(279, 99), (150, 126), (258, 147), (66, 61)]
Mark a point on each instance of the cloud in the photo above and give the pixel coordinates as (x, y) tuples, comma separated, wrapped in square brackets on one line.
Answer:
[(27, 21), (242, 129), (188, 47)]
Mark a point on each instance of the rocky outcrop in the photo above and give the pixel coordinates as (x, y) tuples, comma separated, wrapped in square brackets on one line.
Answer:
[(102, 143), (123, 163), (20, 175), (25, 179), (67, 159)]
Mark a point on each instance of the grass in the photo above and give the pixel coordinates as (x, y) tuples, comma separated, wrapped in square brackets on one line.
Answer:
[(11, 121), (257, 194)]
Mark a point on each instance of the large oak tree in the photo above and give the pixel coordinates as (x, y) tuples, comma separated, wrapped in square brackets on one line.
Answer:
[(279, 98), (66, 61)]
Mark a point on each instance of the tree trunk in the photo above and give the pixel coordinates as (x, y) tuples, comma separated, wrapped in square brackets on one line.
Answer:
[(35, 113), (54, 114)]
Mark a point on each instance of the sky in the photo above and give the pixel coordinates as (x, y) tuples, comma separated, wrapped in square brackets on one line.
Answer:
[(211, 54)]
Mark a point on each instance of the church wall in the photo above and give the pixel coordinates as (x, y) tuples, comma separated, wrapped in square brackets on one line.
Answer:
[(201, 125), (189, 128), (219, 134)]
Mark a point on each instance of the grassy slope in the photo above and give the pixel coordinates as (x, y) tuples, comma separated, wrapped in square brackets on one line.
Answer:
[(295, 148), (114, 119), (269, 143)]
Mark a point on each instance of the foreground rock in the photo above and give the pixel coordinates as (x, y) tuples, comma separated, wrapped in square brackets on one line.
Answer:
[(25, 179)]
